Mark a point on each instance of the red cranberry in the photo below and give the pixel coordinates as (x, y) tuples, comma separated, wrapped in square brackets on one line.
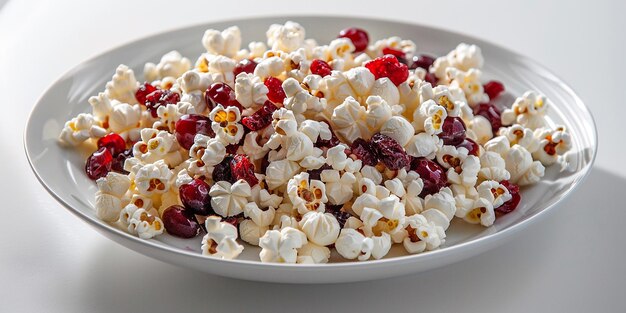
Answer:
[(222, 171), (422, 61), (99, 163), (388, 66), (470, 145), (160, 97), (512, 204), (321, 68), (114, 142), (358, 36), (491, 113), (120, 159), (431, 173), (180, 222), (232, 220), (389, 151), (493, 89), (395, 52), (452, 131), (195, 197), (232, 148), (242, 168), (261, 118), (220, 93), (432, 79), (333, 141), (316, 173), (364, 152), (245, 66), (276, 93), (143, 91), (189, 125)]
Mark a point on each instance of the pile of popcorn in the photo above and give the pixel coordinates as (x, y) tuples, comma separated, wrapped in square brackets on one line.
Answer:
[(301, 148)]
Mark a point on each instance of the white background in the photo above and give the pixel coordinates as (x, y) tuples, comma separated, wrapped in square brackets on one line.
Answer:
[(572, 261)]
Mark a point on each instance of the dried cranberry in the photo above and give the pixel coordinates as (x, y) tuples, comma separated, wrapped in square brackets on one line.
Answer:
[(364, 152), (160, 97), (491, 113), (358, 36), (422, 61), (232, 220), (323, 143), (493, 89), (431, 173), (180, 222), (99, 163), (431, 78), (470, 145), (120, 159), (265, 162), (195, 197), (143, 91), (389, 151), (316, 173), (245, 66), (261, 118), (189, 125), (220, 93), (341, 216), (395, 52), (114, 142), (242, 168), (276, 93), (321, 68), (512, 204), (222, 171), (232, 148), (388, 66), (452, 131)]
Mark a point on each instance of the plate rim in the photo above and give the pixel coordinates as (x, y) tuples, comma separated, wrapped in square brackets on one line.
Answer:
[(354, 265)]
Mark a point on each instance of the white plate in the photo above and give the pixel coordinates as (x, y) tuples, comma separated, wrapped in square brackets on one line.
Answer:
[(61, 170)]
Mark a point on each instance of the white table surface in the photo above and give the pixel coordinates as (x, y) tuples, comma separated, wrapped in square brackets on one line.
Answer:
[(572, 261)]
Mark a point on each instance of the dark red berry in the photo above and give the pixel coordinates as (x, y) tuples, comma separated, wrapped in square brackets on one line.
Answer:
[(195, 197), (245, 66), (452, 131), (143, 91), (114, 142), (118, 162), (316, 173), (389, 151), (265, 162), (222, 172), (512, 204), (160, 97), (422, 61), (493, 89), (395, 52), (321, 68), (232, 220), (432, 79), (341, 216), (232, 148), (431, 173), (276, 93), (364, 152), (189, 125), (220, 93), (180, 222), (358, 36), (491, 113), (242, 168), (261, 118), (388, 66), (99, 163), (333, 141), (470, 145)]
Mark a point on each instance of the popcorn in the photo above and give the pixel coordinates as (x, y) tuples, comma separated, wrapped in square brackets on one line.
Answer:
[(399, 129), (280, 172), (413, 204), (480, 129), (122, 86), (464, 57), (469, 82), (529, 110), (220, 240), (230, 199), (499, 145), (154, 178), (125, 120), (205, 152), (339, 187), (145, 225), (221, 69), (281, 246), (172, 65), (351, 245), (552, 144), (252, 148), (462, 168), (423, 145), (520, 164), (287, 37), (250, 90), (226, 124), (298, 146), (79, 129), (300, 100), (170, 114), (270, 67), (284, 122), (407, 47), (422, 235), (265, 199), (111, 190), (519, 135), (349, 120), (480, 212), (493, 191), (193, 85), (493, 167), (320, 228), (440, 207), (225, 43), (157, 145), (251, 232), (260, 217), (378, 112), (101, 107), (429, 117), (311, 253), (337, 158), (307, 195), (386, 90)]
